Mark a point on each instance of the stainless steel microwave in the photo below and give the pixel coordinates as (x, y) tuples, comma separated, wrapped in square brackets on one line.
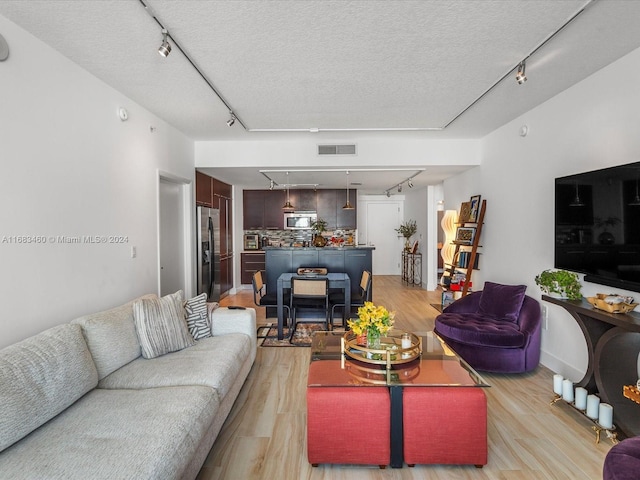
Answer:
[(299, 220)]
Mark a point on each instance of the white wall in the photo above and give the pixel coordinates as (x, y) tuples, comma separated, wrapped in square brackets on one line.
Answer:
[(70, 167), (592, 125)]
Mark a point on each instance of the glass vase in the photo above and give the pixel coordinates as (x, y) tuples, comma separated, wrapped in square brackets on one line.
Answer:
[(373, 339)]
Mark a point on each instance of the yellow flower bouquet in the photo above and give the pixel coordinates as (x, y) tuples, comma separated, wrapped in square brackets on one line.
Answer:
[(373, 322)]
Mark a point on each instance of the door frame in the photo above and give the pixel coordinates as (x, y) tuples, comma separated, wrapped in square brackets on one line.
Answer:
[(188, 215)]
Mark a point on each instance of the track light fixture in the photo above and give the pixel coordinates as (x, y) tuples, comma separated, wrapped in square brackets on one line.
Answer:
[(410, 183), (399, 187), (388, 194), (272, 185), (165, 48), (232, 119), (520, 76)]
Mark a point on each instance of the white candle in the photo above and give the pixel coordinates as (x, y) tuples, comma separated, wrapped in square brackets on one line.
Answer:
[(581, 398), (605, 417), (567, 390), (593, 402), (406, 340), (557, 384)]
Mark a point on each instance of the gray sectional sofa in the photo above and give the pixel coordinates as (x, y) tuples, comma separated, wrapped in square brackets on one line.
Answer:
[(78, 401)]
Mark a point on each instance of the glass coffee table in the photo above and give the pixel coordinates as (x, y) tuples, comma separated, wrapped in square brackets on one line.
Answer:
[(435, 366)]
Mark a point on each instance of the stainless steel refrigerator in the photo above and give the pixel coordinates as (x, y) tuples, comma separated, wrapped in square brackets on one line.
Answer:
[(209, 252)]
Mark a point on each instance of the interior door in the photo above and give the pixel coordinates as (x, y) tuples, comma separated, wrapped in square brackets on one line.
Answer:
[(172, 268), (382, 219)]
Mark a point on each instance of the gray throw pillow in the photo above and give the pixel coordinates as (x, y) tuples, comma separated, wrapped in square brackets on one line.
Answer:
[(160, 325), (196, 314)]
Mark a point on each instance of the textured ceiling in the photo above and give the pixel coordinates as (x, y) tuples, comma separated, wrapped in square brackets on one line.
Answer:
[(330, 64)]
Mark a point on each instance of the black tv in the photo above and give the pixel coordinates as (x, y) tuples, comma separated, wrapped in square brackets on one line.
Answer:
[(597, 225)]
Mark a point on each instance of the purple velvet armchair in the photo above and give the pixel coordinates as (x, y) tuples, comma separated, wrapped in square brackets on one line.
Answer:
[(494, 330)]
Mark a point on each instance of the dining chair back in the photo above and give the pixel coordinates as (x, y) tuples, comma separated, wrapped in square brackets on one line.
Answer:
[(364, 295), (262, 298), (309, 292)]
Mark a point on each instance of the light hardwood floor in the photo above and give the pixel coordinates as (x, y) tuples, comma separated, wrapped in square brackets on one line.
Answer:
[(264, 436)]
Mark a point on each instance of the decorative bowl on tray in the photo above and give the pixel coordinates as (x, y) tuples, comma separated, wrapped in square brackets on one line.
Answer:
[(612, 303)]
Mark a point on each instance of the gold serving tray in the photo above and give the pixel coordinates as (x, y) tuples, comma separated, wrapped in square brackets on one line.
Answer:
[(631, 392), (390, 353), (599, 303)]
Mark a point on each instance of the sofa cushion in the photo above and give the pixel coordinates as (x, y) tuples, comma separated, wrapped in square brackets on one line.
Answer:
[(40, 377), (117, 434), (213, 362), (160, 325), (111, 337), (502, 301), (481, 330), (197, 317)]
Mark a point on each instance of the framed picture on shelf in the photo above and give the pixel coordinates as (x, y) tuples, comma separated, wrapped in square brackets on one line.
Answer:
[(465, 235), (475, 207), (465, 211)]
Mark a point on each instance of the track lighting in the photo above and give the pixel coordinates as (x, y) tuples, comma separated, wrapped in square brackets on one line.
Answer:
[(232, 119), (165, 48), (272, 185), (388, 194), (399, 187), (520, 76), (410, 183)]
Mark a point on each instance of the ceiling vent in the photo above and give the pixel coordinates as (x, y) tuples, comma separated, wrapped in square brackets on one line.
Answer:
[(336, 149)]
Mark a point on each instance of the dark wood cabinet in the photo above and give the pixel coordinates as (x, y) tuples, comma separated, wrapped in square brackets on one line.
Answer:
[(204, 190), (303, 200), (332, 260), (326, 203), (253, 209), (273, 213), (250, 263)]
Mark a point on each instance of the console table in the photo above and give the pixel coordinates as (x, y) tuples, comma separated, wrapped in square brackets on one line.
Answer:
[(412, 268), (613, 345)]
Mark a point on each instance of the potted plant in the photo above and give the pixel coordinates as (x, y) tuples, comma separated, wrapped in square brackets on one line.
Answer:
[(407, 230), (560, 283), (318, 227)]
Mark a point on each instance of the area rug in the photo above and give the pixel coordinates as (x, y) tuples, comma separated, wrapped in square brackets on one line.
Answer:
[(301, 338)]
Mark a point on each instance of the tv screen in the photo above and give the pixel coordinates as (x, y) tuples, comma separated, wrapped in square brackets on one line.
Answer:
[(597, 225)]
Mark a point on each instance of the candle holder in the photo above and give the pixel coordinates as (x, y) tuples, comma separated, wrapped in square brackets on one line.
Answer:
[(596, 427)]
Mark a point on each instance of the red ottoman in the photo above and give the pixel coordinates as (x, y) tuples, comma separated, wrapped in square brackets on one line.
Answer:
[(333, 432), (445, 425)]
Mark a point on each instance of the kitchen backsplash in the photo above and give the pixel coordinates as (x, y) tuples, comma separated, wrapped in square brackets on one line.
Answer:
[(287, 238)]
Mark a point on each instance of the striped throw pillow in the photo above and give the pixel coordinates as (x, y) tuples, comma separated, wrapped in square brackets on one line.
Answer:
[(196, 314), (160, 325)]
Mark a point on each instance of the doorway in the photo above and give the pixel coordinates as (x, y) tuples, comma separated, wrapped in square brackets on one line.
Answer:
[(382, 217), (174, 226)]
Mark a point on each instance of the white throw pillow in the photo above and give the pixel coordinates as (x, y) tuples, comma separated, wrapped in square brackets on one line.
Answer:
[(160, 325)]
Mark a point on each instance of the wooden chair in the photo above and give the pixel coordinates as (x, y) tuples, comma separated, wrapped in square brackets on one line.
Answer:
[(309, 292), (262, 298), (337, 299)]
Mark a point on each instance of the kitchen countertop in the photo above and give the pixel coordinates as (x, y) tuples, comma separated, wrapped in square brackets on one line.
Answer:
[(354, 247)]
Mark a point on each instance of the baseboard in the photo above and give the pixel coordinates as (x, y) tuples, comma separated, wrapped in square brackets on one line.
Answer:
[(557, 365)]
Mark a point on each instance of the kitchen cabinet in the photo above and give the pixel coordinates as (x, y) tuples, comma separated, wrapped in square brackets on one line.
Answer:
[(332, 260), (226, 276), (250, 263), (355, 262), (253, 209), (204, 190), (326, 206), (273, 213), (277, 261), (303, 258), (303, 200), (262, 209)]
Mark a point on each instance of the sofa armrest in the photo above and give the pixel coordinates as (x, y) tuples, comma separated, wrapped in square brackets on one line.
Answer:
[(466, 304), (225, 321), (530, 317)]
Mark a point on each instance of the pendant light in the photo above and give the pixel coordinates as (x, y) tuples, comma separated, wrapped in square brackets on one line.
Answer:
[(287, 205), (576, 201), (347, 206), (636, 201)]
